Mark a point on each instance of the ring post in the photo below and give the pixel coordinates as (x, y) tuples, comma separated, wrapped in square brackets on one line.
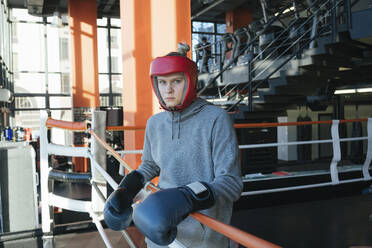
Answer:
[(44, 174), (336, 152), (99, 155), (368, 160)]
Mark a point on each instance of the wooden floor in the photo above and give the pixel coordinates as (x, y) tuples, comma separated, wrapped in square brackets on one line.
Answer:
[(93, 239)]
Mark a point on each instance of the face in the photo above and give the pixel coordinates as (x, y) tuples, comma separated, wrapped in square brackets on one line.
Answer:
[(171, 88)]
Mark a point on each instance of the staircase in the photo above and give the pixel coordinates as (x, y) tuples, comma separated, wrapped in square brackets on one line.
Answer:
[(301, 63)]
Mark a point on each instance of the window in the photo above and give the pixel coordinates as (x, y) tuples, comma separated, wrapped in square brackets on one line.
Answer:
[(65, 83), (104, 101), (15, 65), (23, 102), (63, 48), (14, 34), (213, 32), (109, 63), (114, 64), (114, 41), (118, 101)]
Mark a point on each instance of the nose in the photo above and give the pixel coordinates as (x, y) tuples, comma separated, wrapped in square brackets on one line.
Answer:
[(169, 87)]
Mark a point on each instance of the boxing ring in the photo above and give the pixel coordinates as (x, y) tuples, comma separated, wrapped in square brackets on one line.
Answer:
[(97, 155), (99, 179)]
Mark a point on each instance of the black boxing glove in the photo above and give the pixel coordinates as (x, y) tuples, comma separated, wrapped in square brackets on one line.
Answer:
[(159, 214), (118, 207)]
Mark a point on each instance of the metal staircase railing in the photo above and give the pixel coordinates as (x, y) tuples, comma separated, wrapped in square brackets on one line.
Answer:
[(321, 21), (234, 59)]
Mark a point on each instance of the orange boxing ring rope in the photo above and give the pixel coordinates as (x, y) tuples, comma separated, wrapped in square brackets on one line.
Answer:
[(49, 199), (69, 125), (250, 125), (233, 233)]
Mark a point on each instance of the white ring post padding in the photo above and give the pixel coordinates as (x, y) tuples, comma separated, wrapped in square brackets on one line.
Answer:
[(70, 204), (35, 181), (123, 152), (109, 179), (128, 239), (67, 150), (44, 173), (101, 231), (367, 162), (336, 152), (100, 156)]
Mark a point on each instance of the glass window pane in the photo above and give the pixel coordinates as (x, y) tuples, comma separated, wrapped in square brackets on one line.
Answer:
[(60, 102), (61, 136), (218, 49), (29, 102), (117, 84), (65, 83), (29, 83), (102, 21), (115, 22), (203, 27), (118, 101), (29, 47), (102, 50), (22, 15), (53, 48), (54, 83), (104, 101), (103, 84), (197, 41), (116, 50), (28, 119), (63, 115), (221, 28)]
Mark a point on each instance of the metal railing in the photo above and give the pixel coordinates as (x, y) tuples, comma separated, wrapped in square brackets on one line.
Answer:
[(336, 145), (321, 19)]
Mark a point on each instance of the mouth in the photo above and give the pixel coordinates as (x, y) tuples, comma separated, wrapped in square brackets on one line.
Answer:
[(169, 99)]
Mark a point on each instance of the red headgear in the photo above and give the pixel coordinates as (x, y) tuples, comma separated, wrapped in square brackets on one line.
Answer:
[(161, 66)]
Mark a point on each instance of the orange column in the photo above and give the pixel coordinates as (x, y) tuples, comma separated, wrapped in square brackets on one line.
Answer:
[(84, 69), (150, 28)]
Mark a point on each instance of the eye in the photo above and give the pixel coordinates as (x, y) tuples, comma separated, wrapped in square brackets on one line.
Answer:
[(161, 82), (177, 81)]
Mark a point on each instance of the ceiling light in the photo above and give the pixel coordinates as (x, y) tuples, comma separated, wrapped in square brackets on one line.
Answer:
[(344, 69), (353, 91), (364, 90)]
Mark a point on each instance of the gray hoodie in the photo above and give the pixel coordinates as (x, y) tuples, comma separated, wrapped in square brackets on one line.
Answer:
[(196, 144)]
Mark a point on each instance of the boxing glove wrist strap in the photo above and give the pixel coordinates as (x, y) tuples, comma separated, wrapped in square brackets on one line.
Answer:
[(201, 195)]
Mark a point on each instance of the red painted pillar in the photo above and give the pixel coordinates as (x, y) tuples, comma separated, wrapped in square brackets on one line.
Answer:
[(238, 18), (84, 66), (149, 29)]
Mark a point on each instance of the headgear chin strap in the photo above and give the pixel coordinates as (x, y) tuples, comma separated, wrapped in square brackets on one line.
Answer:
[(161, 66)]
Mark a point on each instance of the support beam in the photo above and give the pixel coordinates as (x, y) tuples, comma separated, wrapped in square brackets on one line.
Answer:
[(84, 69), (149, 29)]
